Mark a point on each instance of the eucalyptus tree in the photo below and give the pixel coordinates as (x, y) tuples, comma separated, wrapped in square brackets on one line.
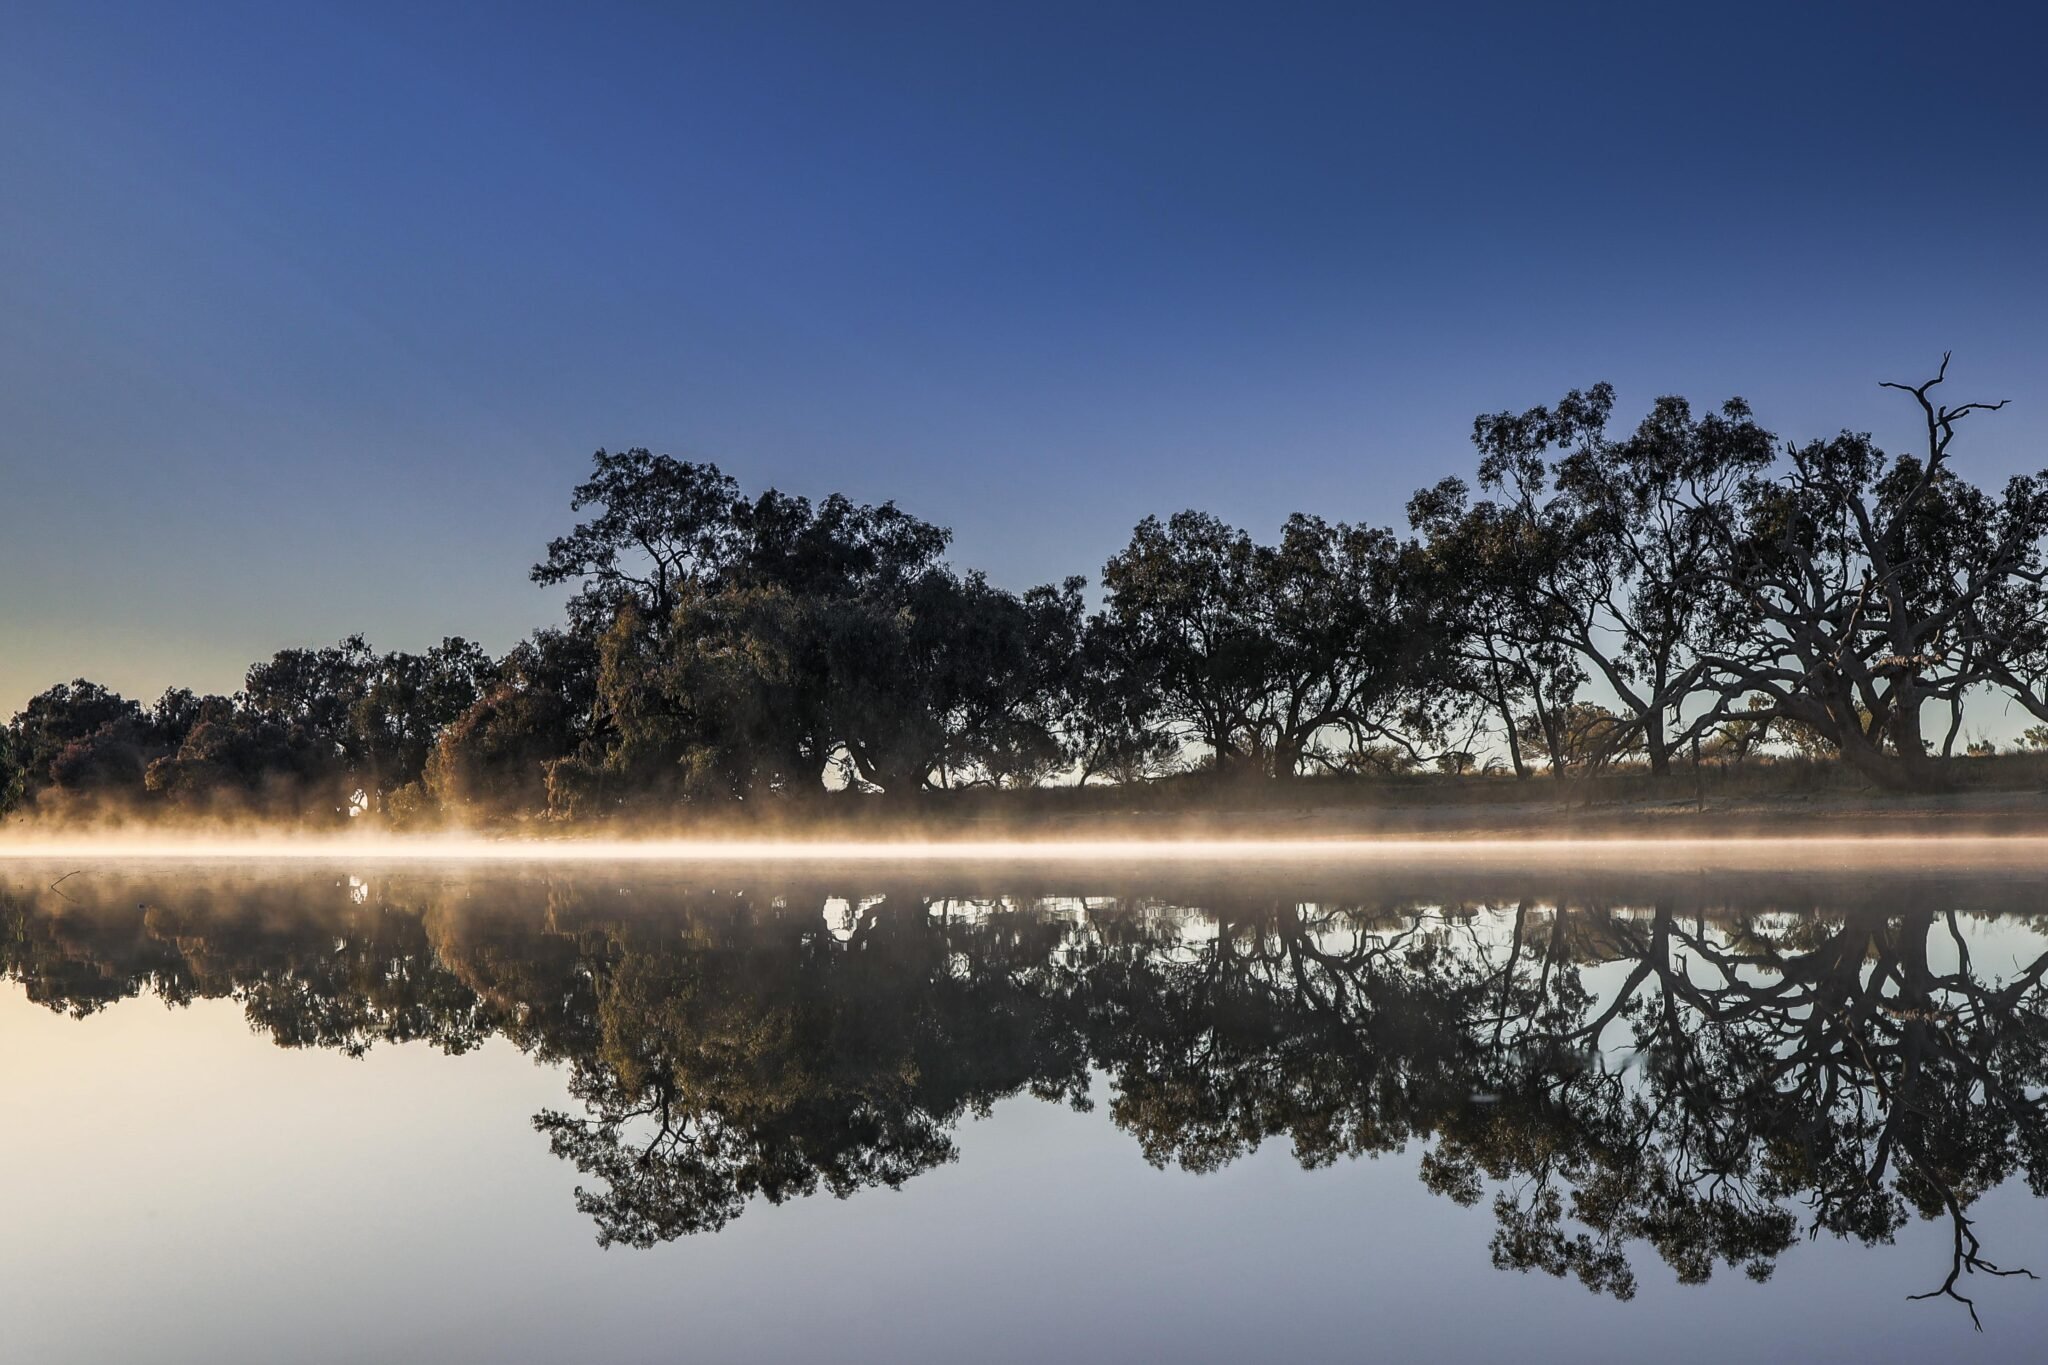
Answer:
[(709, 616), (957, 681), (746, 670), (1625, 563), (837, 546), (498, 755), (1508, 641), (2009, 631), (233, 756), (796, 633), (660, 525), (82, 737), (1016, 726), (313, 695), (13, 780), (68, 716), (407, 700), (1273, 656), (1363, 643), (524, 735), (1116, 731), (1181, 611), (1864, 586)]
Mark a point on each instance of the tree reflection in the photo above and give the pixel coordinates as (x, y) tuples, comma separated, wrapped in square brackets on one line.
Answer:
[(1708, 1081), (758, 1054)]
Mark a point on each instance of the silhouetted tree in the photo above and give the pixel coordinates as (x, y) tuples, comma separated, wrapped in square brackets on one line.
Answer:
[(1116, 730), (1717, 589), (407, 701), (1267, 655), (1511, 639), (13, 777), (1619, 545), (1864, 585), (80, 737), (661, 524)]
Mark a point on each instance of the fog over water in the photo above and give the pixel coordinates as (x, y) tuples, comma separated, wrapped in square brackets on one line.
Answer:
[(1086, 1102)]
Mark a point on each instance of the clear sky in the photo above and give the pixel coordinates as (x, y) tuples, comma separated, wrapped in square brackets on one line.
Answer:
[(311, 314)]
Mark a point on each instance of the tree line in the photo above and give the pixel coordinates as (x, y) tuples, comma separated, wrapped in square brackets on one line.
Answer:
[(1695, 587)]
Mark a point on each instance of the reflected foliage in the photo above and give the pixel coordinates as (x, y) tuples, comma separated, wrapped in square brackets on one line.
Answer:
[(1618, 1076)]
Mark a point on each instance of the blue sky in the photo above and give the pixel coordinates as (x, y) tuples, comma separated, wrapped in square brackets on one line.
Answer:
[(310, 315)]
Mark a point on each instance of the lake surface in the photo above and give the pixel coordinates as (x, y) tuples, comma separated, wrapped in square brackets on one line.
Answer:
[(1460, 1110)]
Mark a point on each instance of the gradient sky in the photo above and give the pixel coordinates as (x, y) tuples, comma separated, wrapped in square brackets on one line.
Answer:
[(310, 315)]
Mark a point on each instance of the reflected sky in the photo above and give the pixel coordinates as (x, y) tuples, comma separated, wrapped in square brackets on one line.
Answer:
[(261, 1113)]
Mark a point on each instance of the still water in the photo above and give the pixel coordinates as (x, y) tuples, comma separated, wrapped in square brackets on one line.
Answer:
[(1459, 1111)]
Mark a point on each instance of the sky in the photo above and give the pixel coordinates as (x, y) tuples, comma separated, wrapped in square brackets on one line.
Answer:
[(311, 315)]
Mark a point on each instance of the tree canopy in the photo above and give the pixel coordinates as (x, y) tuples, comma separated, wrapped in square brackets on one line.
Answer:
[(1590, 599)]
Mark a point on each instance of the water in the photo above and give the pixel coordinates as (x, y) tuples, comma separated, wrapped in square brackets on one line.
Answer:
[(1567, 1110)]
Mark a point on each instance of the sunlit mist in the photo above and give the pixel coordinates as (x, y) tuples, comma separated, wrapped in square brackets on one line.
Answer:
[(1862, 849)]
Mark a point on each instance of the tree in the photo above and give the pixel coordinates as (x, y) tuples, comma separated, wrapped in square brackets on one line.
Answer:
[(13, 779), (313, 695), (1743, 733), (957, 679), (1510, 641), (495, 756), (662, 523), (1182, 608), (406, 701), (747, 671), (177, 711), (81, 737), (727, 630), (1619, 545), (1583, 736), (1267, 654), (837, 547), (237, 756), (646, 732), (2007, 630), (1862, 586), (1023, 728), (1115, 730)]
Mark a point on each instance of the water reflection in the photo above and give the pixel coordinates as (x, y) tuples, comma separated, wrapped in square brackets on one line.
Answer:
[(1626, 1067)]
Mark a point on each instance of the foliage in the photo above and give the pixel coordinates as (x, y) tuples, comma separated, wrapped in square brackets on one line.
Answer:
[(1603, 598), (13, 779), (1272, 657)]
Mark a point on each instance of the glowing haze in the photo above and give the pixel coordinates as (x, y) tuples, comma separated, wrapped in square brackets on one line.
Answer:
[(1861, 852)]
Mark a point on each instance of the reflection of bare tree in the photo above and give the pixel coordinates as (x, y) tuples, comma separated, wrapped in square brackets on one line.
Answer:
[(1706, 1083), (1830, 1065)]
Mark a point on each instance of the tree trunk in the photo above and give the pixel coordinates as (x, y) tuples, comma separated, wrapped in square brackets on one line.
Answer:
[(1955, 726), (1507, 716), (1515, 748), (1892, 772), (1922, 773)]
